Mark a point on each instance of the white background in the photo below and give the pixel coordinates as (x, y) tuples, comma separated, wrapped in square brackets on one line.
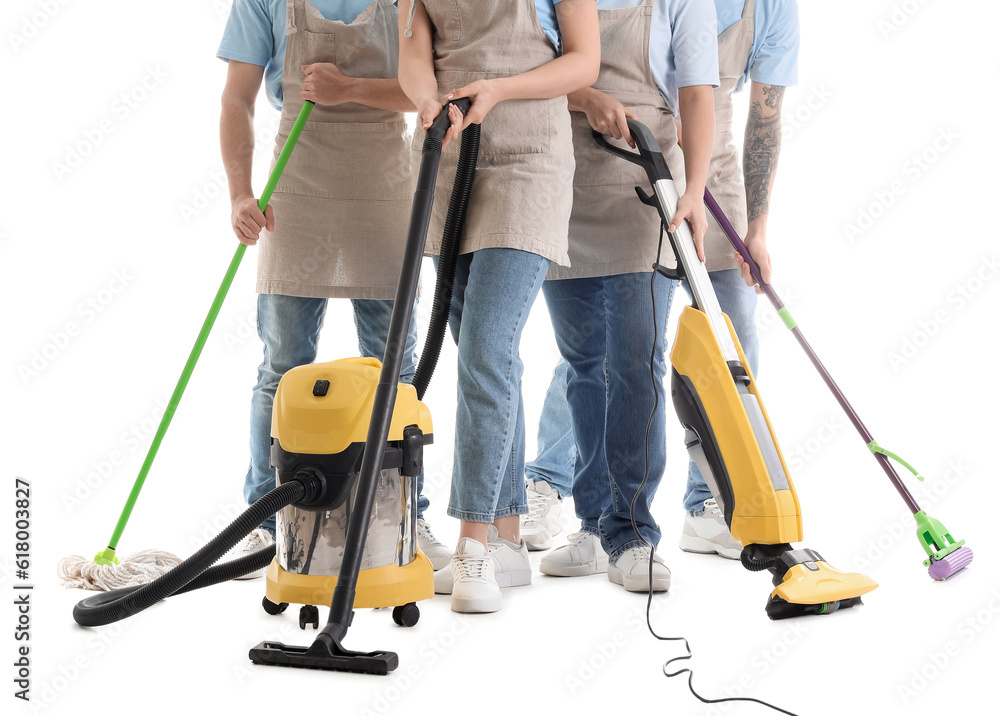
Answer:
[(880, 82)]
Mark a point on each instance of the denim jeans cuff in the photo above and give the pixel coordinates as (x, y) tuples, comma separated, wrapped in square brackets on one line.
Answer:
[(511, 511), (469, 516)]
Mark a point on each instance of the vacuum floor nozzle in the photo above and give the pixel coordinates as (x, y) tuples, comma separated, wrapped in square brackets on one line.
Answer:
[(272, 653), (950, 565)]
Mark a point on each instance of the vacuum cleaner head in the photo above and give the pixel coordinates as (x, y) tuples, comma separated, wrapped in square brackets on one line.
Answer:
[(320, 656)]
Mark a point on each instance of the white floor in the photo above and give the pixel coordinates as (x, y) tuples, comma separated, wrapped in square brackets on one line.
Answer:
[(578, 644)]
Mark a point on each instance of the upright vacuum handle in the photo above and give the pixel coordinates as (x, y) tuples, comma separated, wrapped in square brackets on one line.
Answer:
[(649, 156)]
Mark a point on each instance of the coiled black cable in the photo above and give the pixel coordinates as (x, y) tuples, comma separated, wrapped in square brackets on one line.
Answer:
[(652, 549), (453, 227), (196, 571)]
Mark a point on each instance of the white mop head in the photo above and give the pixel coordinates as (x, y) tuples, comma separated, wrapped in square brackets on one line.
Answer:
[(136, 569)]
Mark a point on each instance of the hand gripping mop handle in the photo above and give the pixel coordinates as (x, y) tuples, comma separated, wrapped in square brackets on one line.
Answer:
[(107, 556)]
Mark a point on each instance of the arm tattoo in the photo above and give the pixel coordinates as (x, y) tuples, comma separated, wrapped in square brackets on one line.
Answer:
[(761, 146)]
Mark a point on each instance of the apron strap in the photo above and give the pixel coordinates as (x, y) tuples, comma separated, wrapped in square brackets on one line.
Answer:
[(409, 18)]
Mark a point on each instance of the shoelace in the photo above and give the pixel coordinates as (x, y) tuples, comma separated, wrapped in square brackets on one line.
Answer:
[(538, 505), (424, 530), (472, 567), (712, 507)]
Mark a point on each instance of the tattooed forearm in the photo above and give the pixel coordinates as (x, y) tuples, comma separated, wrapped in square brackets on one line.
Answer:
[(773, 95), (761, 146)]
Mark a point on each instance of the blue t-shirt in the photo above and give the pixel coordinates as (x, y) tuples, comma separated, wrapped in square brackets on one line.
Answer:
[(255, 34), (679, 55), (775, 54), (546, 11)]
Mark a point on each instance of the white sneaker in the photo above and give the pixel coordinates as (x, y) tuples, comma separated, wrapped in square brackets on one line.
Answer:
[(511, 567), (631, 570), (708, 533), (437, 553), (254, 542), (472, 571), (541, 524), (582, 556)]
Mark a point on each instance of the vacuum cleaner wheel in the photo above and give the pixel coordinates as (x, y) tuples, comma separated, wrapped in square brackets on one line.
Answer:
[(272, 608)]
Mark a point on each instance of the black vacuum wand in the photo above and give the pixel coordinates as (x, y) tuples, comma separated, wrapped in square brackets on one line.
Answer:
[(327, 652)]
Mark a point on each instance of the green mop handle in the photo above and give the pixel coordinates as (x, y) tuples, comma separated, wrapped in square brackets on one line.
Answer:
[(107, 556)]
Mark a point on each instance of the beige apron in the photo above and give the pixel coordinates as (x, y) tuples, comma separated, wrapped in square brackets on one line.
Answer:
[(342, 206), (521, 197), (725, 178), (610, 231)]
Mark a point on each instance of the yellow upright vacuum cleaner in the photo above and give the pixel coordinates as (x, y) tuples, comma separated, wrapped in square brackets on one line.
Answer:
[(727, 431), (347, 447)]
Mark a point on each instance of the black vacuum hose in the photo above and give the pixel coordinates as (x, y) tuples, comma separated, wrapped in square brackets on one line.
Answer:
[(445, 284), (196, 571)]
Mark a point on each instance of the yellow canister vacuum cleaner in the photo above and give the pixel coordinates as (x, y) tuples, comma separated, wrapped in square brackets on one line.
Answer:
[(727, 431), (347, 448)]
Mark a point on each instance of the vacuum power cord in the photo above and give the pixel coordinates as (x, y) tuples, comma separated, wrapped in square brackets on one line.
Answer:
[(652, 549)]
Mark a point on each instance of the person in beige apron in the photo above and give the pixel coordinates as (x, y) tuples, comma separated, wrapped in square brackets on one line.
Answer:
[(337, 221), (758, 40), (505, 57), (601, 305)]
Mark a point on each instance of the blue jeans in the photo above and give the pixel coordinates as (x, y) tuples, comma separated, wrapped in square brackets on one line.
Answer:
[(494, 291), (289, 327), (604, 329), (739, 302), (556, 460), (556, 443)]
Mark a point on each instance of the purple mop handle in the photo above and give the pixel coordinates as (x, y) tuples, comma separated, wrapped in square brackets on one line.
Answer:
[(737, 242)]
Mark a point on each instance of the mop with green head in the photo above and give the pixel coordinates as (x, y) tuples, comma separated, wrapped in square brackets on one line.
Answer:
[(105, 572)]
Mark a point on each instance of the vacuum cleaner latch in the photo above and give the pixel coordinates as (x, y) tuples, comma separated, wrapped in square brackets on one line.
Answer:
[(413, 451)]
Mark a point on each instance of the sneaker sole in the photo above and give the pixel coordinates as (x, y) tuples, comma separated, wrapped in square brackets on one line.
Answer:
[(700, 545), (520, 578), (572, 570), (638, 584), (476, 605)]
